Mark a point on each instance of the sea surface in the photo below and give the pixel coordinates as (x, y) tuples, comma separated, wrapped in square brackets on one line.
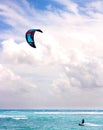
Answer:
[(51, 119)]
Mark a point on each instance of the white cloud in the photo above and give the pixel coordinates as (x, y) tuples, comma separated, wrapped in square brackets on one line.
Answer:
[(70, 6), (96, 6), (67, 63)]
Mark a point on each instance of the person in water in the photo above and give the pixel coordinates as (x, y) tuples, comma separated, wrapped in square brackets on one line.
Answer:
[(83, 121)]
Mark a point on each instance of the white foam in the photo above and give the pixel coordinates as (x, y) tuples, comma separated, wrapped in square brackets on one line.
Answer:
[(14, 117), (92, 124), (20, 118), (71, 113)]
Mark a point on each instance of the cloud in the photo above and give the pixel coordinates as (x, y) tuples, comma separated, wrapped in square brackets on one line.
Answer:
[(95, 6), (67, 63), (69, 6)]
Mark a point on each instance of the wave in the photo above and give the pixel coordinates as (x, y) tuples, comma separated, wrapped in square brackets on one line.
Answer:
[(70, 113), (13, 117), (20, 118), (52, 111)]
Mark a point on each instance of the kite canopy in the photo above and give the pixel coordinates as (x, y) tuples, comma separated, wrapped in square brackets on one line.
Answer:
[(30, 36)]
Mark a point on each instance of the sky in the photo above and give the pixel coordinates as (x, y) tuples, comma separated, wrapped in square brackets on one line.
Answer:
[(65, 71)]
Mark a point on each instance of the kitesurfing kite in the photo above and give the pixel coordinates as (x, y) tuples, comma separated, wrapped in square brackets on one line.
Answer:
[(30, 36)]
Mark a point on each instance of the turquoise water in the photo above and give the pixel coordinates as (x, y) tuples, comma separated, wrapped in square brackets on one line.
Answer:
[(50, 119)]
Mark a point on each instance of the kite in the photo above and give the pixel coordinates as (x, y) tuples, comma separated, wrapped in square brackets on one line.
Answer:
[(30, 36)]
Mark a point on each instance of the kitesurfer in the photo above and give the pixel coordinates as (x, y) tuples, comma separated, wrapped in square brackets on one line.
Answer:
[(82, 123)]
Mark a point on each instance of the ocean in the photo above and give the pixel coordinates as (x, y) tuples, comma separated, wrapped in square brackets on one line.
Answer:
[(51, 119)]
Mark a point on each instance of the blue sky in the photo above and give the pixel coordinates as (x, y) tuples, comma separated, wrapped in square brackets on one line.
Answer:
[(40, 6), (66, 69)]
